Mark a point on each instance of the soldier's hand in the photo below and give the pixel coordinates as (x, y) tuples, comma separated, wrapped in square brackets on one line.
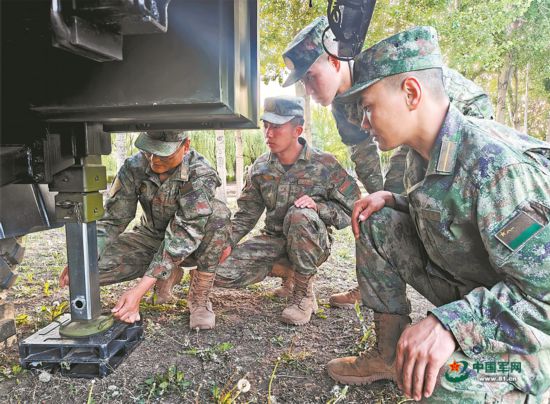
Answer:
[(364, 207), (421, 351), (64, 277), (305, 202), (127, 307), (226, 253)]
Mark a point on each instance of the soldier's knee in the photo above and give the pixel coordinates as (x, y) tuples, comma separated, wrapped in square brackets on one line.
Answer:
[(379, 221), (297, 215)]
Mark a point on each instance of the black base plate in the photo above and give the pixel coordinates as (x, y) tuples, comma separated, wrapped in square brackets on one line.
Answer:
[(93, 356)]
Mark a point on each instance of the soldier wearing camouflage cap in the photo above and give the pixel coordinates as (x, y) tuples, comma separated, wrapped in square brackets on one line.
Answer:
[(182, 225), (304, 192), (471, 234), (325, 78)]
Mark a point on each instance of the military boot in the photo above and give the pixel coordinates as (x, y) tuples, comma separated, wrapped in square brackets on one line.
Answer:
[(346, 300), (163, 287), (377, 363), (200, 306), (303, 302), (287, 275)]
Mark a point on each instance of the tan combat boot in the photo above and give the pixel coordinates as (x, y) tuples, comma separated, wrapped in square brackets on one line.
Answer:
[(378, 362), (287, 274), (163, 287), (200, 306), (346, 300), (303, 302)]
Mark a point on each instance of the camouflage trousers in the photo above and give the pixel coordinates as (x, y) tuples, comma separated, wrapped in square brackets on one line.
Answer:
[(129, 256), (367, 164), (390, 255), (304, 245)]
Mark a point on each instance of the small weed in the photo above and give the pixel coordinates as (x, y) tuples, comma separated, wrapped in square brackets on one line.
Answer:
[(10, 371), (210, 354), (278, 340), (171, 381), (321, 314), (338, 394), (46, 289), (47, 314), (366, 332), (226, 395), (22, 320)]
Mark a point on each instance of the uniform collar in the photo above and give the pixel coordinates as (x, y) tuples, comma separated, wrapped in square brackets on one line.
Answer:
[(305, 154), (445, 151)]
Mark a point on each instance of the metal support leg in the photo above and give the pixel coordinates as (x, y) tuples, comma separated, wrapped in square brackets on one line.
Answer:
[(83, 271)]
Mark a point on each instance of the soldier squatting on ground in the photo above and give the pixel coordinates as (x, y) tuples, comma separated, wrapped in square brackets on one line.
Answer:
[(471, 235), (182, 225), (304, 192), (325, 77)]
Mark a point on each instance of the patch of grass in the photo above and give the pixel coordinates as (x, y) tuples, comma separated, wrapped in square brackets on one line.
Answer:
[(226, 395), (278, 340), (48, 313), (321, 314), (10, 371), (366, 339), (338, 394), (170, 381), (211, 353)]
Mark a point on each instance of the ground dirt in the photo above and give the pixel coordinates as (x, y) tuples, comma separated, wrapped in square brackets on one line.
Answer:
[(282, 363)]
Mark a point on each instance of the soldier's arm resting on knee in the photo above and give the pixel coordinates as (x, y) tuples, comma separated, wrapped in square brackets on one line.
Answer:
[(364, 207), (343, 192), (250, 208)]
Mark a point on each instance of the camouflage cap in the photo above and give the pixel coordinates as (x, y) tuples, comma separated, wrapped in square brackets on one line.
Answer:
[(280, 110), (162, 143), (414, 49), (305, 49)]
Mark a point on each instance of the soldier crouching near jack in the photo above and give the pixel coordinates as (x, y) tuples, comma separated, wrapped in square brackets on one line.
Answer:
[(472, 235), (182, 225), (304, 192)]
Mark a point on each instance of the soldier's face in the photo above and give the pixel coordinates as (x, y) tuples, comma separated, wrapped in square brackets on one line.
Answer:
[(321, 81), (280, 138), (385, 115), (161, 165)]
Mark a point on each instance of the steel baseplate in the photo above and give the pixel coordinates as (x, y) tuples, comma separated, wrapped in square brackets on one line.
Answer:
[(88, 357)]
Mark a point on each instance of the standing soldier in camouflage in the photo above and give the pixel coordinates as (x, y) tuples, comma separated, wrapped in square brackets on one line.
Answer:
[(325, 77), (182, 225), (471, 234), (305, 192)]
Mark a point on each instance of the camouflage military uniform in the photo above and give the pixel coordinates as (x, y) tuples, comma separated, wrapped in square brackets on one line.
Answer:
[(307, 47), (182, 223), (472, 236), (300, 236)]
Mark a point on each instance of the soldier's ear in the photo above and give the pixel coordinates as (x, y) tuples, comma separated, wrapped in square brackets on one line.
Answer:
[(298, 130), (413, 92), (186, 145), (334, 62)]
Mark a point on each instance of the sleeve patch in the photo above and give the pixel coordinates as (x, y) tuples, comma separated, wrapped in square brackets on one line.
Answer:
[(346, 188), (518, 230)]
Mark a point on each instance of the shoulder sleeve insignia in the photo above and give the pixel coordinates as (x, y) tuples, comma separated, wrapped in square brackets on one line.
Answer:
[(518, 230)]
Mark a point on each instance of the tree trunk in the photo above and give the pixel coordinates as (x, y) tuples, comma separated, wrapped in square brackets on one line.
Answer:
[(526, 99), (239, 161), (548, 129), (121, 148), (221, 192), (301, 92), (503, 82)]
